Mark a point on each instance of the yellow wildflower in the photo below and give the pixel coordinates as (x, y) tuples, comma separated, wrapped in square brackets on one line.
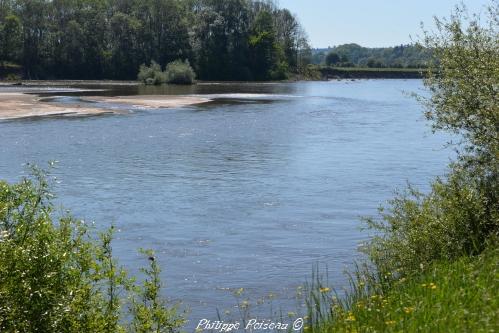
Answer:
[(324, 290), (350, 317), (408, 309), (390, 322)]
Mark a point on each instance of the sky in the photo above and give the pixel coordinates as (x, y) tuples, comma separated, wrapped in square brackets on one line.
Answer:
[(371, 23)]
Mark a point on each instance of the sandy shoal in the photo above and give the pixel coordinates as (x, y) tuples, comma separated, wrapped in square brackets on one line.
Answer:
[(152, 101), (20, 105)]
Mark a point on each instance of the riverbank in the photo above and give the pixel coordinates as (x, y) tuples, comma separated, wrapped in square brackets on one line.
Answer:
[(454, 296), (370, 73)]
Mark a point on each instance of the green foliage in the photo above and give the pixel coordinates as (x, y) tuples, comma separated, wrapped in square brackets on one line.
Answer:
[(456, 218), (151, 74), (401, 56), (332, 59), (179, 72), (263, 49), (93, 39), (56, 277), (176, 72), (150, 312), (464, 83), (10, 38)]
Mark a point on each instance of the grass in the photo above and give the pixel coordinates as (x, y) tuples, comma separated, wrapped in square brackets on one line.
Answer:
[(448, 297)]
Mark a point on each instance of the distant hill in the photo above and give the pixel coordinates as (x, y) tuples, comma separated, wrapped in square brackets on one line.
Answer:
[(354, 55)]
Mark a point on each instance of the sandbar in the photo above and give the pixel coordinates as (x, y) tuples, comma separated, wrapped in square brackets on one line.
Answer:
[(21, 105), (152, 101)]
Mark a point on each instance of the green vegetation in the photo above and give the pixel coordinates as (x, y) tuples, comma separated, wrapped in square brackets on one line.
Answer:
[(176, 72), (457, 296), (179, 72), (351, 61), (56, 276), (151, 74), (328, 72), (433, 257), (100, 39), (353, 55)]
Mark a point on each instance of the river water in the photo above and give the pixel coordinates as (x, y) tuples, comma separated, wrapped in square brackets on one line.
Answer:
[(248, 191)]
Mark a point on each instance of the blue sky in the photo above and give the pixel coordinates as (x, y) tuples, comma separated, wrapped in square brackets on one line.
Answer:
[(369, 22)]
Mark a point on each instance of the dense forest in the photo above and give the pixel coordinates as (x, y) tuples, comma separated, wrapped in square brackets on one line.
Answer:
[(110, 39), (354, 55)]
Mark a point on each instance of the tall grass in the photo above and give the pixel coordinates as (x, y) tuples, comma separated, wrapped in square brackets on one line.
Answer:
[(458, 296)]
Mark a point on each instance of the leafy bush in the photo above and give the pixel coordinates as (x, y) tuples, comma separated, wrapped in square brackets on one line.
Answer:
[(176, 72), (179, 72), (151, 74), (56, 276), (455, 219)]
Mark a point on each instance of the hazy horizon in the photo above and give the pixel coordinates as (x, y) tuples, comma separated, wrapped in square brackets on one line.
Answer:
[(386, 23)]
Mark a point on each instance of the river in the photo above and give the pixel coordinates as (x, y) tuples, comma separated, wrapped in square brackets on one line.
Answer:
[(248, 191)]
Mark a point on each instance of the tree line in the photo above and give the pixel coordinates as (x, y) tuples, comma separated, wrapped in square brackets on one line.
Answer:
[(354, 55), (97, 39)]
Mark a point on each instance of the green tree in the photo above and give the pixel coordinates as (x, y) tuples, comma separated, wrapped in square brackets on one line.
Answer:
[(10, 38), (262, 46), (332, 59), (464, 82), (33, 14), (287, 30)]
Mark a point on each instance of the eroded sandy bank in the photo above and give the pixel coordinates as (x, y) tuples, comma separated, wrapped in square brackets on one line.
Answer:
[(21, 105)]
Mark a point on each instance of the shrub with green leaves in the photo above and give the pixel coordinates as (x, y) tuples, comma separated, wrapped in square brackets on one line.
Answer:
[(455, 219), (179, 72), (176, 72), (151, 74), (57, 276)]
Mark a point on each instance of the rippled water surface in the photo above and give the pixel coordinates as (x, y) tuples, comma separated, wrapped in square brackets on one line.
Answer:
[(249, 190)]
